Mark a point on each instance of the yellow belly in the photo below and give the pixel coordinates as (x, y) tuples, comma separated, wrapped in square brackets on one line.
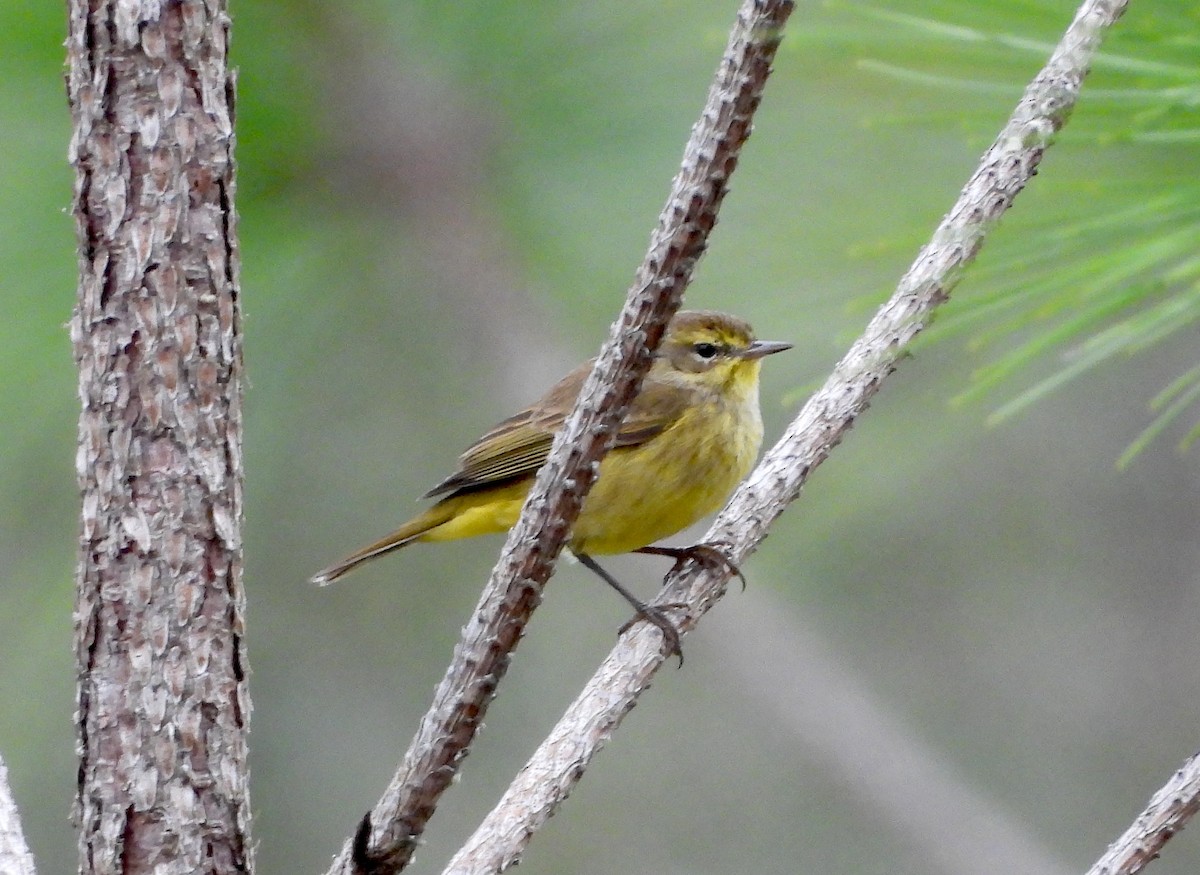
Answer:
[(651, 491), (644, 493)]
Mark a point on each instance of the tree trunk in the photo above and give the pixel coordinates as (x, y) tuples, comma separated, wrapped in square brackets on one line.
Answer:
[(162, 697)]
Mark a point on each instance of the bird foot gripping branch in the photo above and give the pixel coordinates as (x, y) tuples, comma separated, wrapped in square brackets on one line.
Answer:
[(689, 437)]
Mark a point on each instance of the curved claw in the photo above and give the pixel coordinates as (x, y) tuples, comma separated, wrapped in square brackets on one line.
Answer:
[(654, 615), (707, 555), (650, 613)]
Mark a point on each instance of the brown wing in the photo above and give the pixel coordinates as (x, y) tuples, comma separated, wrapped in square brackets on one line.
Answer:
[(519, 446)]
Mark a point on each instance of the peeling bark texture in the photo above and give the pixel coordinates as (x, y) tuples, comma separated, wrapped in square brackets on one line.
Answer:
[(163, 705), (1169, 811), (388, 835), (560, 761), (15, 858)]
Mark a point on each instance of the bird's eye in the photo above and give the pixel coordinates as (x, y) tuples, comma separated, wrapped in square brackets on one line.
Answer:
[(706, 350)]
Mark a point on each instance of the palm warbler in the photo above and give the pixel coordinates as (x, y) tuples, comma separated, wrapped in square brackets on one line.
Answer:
[(689, 437)]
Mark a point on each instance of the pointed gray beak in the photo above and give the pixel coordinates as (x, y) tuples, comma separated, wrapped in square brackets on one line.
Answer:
[(760, 348)]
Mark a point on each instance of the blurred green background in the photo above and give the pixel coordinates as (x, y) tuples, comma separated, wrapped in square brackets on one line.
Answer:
[(965, 649)]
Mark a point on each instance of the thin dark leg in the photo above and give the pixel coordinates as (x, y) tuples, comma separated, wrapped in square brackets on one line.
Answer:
[(705, 554), (646, 612)]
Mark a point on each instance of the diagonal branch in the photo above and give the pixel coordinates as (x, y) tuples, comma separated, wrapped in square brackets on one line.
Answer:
[(388, 835), (1003, 172), (1168, 811)]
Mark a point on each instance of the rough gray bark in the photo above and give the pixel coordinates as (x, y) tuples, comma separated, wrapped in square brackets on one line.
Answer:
[(388, 835), (162, 698), (1169, 811), (560, 761)]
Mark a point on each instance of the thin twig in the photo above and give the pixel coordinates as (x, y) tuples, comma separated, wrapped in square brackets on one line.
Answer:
[(1003, 172), (388, 835), (1168, 812), (15, 858)]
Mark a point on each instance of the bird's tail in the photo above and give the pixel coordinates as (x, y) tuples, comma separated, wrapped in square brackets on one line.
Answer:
[(406, 534)]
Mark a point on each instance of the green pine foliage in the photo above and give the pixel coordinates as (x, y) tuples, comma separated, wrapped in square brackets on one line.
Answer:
[(1108, 264)]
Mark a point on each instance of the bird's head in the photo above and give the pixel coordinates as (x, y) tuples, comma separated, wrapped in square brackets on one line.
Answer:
[(714, 351)]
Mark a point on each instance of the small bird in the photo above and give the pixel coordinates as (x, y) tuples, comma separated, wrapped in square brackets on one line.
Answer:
[(688, 438)]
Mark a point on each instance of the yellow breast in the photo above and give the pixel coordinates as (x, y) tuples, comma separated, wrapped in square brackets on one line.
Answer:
[(650, 491)]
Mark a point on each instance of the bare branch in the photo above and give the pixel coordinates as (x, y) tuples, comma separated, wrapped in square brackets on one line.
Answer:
[(388, 835), (1003, 172), (15, 858), (1168, 812)]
